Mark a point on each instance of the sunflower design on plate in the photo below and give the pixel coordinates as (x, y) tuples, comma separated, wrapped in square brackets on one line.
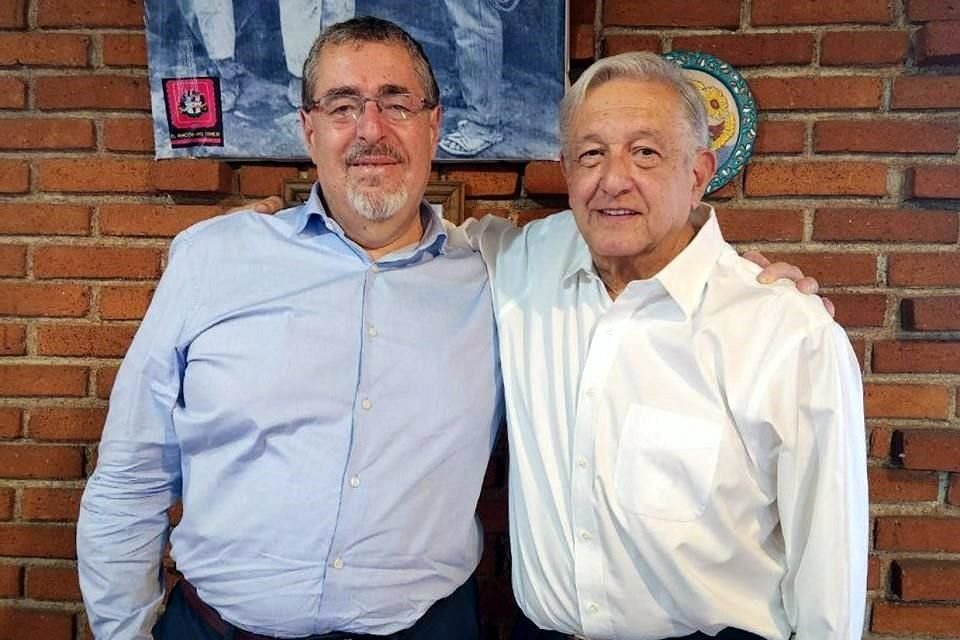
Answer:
[(731, 111)]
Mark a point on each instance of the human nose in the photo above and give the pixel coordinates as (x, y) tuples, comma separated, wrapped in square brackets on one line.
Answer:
[(370, 121), (616, 177)]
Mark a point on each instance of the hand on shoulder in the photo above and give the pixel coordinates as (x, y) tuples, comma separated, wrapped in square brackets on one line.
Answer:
[(773, 271)]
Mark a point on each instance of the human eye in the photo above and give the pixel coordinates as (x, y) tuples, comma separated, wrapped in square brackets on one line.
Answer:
[(645, 155), (399, 107), (341, 107), (590, 157)]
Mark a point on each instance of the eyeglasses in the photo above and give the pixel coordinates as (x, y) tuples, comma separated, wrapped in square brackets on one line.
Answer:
[(347, 109)]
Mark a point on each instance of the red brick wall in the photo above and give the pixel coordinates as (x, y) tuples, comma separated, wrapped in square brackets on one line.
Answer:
[(856, 178)]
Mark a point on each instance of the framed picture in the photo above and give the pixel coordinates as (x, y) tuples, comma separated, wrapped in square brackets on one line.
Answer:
[(446, 197), (225, 75), (731, 111)]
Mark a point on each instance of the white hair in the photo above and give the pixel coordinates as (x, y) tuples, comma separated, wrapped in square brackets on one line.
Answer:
[(641, 66)]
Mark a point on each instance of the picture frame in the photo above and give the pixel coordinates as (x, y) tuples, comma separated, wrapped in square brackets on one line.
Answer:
[(446, 195), (227, 83), (731, 111)]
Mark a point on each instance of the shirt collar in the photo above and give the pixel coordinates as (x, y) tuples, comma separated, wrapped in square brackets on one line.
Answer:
[(580, 260), (686, 275), (312, 215), (306, 212)]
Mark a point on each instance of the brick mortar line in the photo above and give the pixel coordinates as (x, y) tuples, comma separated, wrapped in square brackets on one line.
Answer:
[(882, 72), (46, 605), (39, 483), (821, 202), (930, 510), (51, 115), (92, 200), (922, 378), (110, 241), (883, 269), (904, 424), (915, 115), (96, 51), (907, 337), (30, 72), (53, 524), (59, 360), (68, 153), (772, 30), (77, 30), (856, 247), (36, 562), (943, 488), (30, 404), (54, 321), (894, 160), (950, 381), (74, 361)]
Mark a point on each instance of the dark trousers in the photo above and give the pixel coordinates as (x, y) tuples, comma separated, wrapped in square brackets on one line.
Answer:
[(452, 617), (526, 630)]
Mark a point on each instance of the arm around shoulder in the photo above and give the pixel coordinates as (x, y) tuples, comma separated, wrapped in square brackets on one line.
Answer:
[(488, 235)]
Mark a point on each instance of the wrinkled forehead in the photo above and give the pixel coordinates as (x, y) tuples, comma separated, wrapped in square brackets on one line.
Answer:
[(367, 67), (624, 102), (626, 92)]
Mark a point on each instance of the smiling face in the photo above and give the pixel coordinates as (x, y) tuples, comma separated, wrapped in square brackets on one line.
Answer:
[(633, 175), (372, 171)]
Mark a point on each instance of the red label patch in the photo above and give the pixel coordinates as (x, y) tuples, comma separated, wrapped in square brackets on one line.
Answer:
[(193, 110)]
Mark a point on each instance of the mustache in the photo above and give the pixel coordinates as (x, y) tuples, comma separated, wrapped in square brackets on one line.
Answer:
[(359, 150)]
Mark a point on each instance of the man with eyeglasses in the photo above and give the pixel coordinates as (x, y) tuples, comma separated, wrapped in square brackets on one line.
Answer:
[(320, 388)]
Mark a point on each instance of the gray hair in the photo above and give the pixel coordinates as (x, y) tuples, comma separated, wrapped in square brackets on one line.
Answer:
[(369, 29), (642, 66)]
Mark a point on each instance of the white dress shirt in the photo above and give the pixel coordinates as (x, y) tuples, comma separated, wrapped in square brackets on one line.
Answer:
[(687, 457)]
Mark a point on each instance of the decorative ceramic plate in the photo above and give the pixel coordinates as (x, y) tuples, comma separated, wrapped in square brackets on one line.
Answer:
[(731, 111)]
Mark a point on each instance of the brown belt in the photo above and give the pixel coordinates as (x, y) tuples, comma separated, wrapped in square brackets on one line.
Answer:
[(212, 619)]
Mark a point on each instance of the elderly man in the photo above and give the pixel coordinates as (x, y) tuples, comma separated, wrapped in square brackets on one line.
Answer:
[(299, 381), (686, 446)]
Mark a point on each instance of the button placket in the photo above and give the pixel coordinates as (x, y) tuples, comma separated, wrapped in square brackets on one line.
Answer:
[(588, 555), (365, 404)]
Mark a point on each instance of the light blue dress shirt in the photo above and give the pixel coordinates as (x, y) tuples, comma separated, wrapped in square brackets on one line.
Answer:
[(326, 419)]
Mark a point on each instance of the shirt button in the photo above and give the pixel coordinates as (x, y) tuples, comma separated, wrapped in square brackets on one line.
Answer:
[(582, 462), (354, 482), (366, 404), (593, 608), (371, 331), (375, 269), (589, 392), (338, 564), (585, 536)]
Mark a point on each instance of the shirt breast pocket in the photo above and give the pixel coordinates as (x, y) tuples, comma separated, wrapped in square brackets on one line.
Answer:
[(666, 463)]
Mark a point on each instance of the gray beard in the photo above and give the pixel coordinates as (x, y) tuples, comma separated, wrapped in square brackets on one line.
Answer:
[(376, 206)]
